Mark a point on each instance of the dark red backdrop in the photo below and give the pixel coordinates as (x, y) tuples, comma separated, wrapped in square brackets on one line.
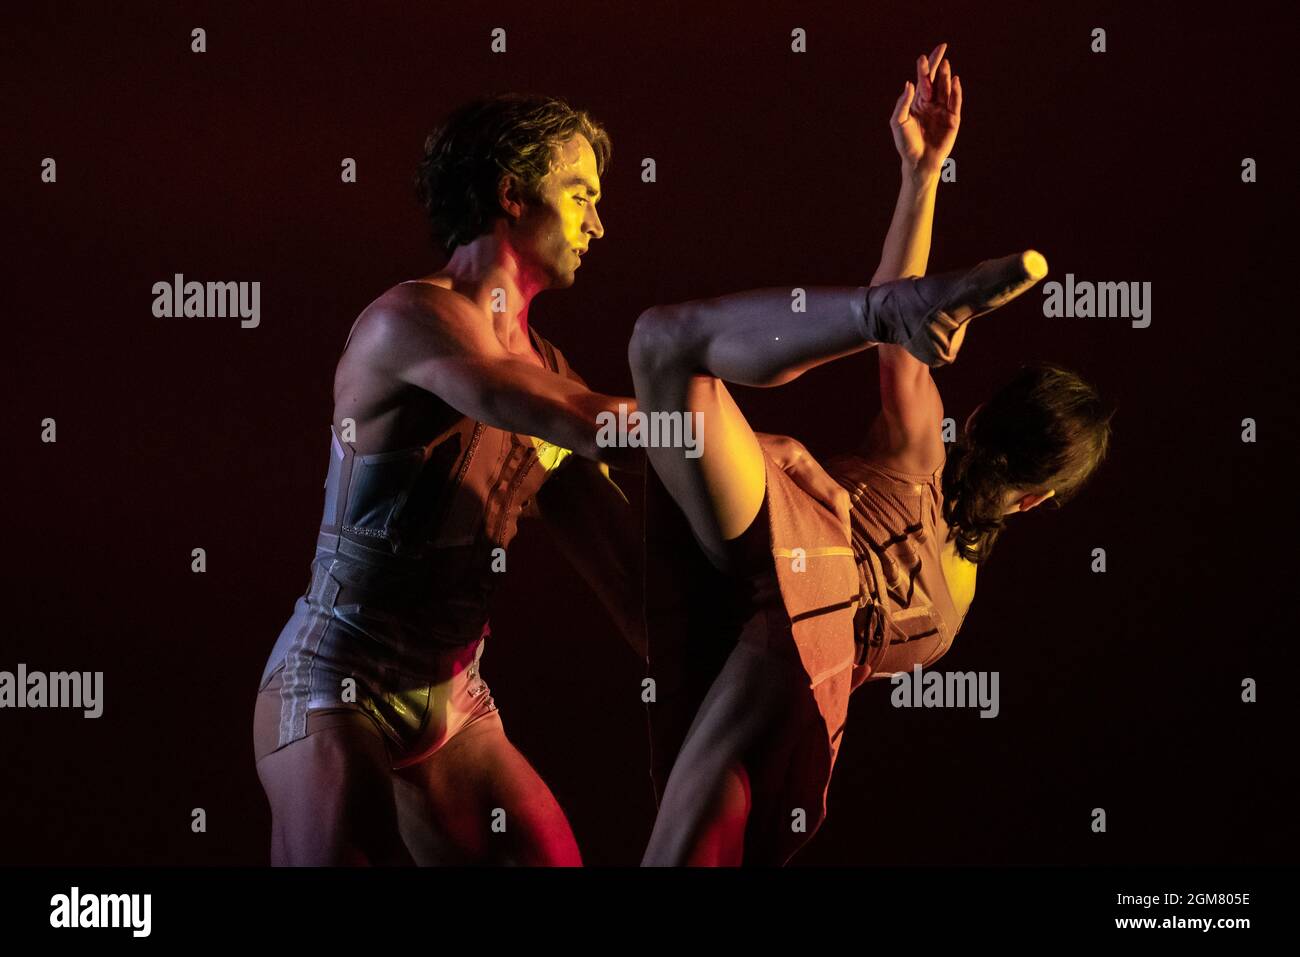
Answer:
[(1118, 690)]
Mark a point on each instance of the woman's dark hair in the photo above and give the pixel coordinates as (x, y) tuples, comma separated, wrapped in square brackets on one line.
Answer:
[(1045, 429), (481, 141)]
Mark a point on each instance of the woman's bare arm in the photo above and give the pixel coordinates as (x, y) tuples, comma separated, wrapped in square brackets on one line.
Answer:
[(907, 434)]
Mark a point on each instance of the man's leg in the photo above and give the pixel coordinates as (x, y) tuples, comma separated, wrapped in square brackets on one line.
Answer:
[(484, 803), (331, 796)]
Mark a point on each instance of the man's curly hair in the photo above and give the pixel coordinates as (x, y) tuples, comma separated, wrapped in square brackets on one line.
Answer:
[(481, 141)]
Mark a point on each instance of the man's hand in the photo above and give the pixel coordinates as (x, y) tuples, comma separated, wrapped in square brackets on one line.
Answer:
[(798, 463), (927, 114)]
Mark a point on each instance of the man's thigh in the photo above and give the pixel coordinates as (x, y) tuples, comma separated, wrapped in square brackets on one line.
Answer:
[(331, 796), (478, 800)]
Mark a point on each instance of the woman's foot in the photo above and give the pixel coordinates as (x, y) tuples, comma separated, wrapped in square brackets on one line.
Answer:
[(926, 315)]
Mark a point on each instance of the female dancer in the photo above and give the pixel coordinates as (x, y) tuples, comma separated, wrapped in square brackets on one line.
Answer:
[(826, 604)]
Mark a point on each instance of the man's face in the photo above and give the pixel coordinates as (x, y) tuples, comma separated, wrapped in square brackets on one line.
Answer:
[(552, 233)]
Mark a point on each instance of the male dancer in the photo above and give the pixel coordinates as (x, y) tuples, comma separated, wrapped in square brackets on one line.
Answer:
[(376, 738)]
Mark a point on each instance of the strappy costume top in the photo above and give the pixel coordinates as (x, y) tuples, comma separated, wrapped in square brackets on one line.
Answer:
[(907, 616)]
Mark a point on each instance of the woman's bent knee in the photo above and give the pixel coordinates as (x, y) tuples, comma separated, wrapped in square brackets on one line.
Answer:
[(659, 342)]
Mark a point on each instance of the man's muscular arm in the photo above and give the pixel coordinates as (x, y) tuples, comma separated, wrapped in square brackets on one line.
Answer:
[(447, 349)]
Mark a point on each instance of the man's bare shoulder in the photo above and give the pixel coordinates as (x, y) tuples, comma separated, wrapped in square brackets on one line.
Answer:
[(422, 301), (412, 319)]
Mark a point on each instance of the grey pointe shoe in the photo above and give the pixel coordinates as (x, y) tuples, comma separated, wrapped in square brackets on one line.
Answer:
[(924, 315)]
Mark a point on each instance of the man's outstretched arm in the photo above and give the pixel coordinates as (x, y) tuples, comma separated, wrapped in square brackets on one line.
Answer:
[(450, 352)]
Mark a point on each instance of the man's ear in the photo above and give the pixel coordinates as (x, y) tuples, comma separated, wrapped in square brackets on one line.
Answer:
[(510, 196)]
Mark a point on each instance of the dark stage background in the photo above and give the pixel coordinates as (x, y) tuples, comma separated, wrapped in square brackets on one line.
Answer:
[(1119, 690)]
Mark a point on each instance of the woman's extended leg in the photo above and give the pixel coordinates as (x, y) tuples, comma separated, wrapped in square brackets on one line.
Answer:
[(679, 353)]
